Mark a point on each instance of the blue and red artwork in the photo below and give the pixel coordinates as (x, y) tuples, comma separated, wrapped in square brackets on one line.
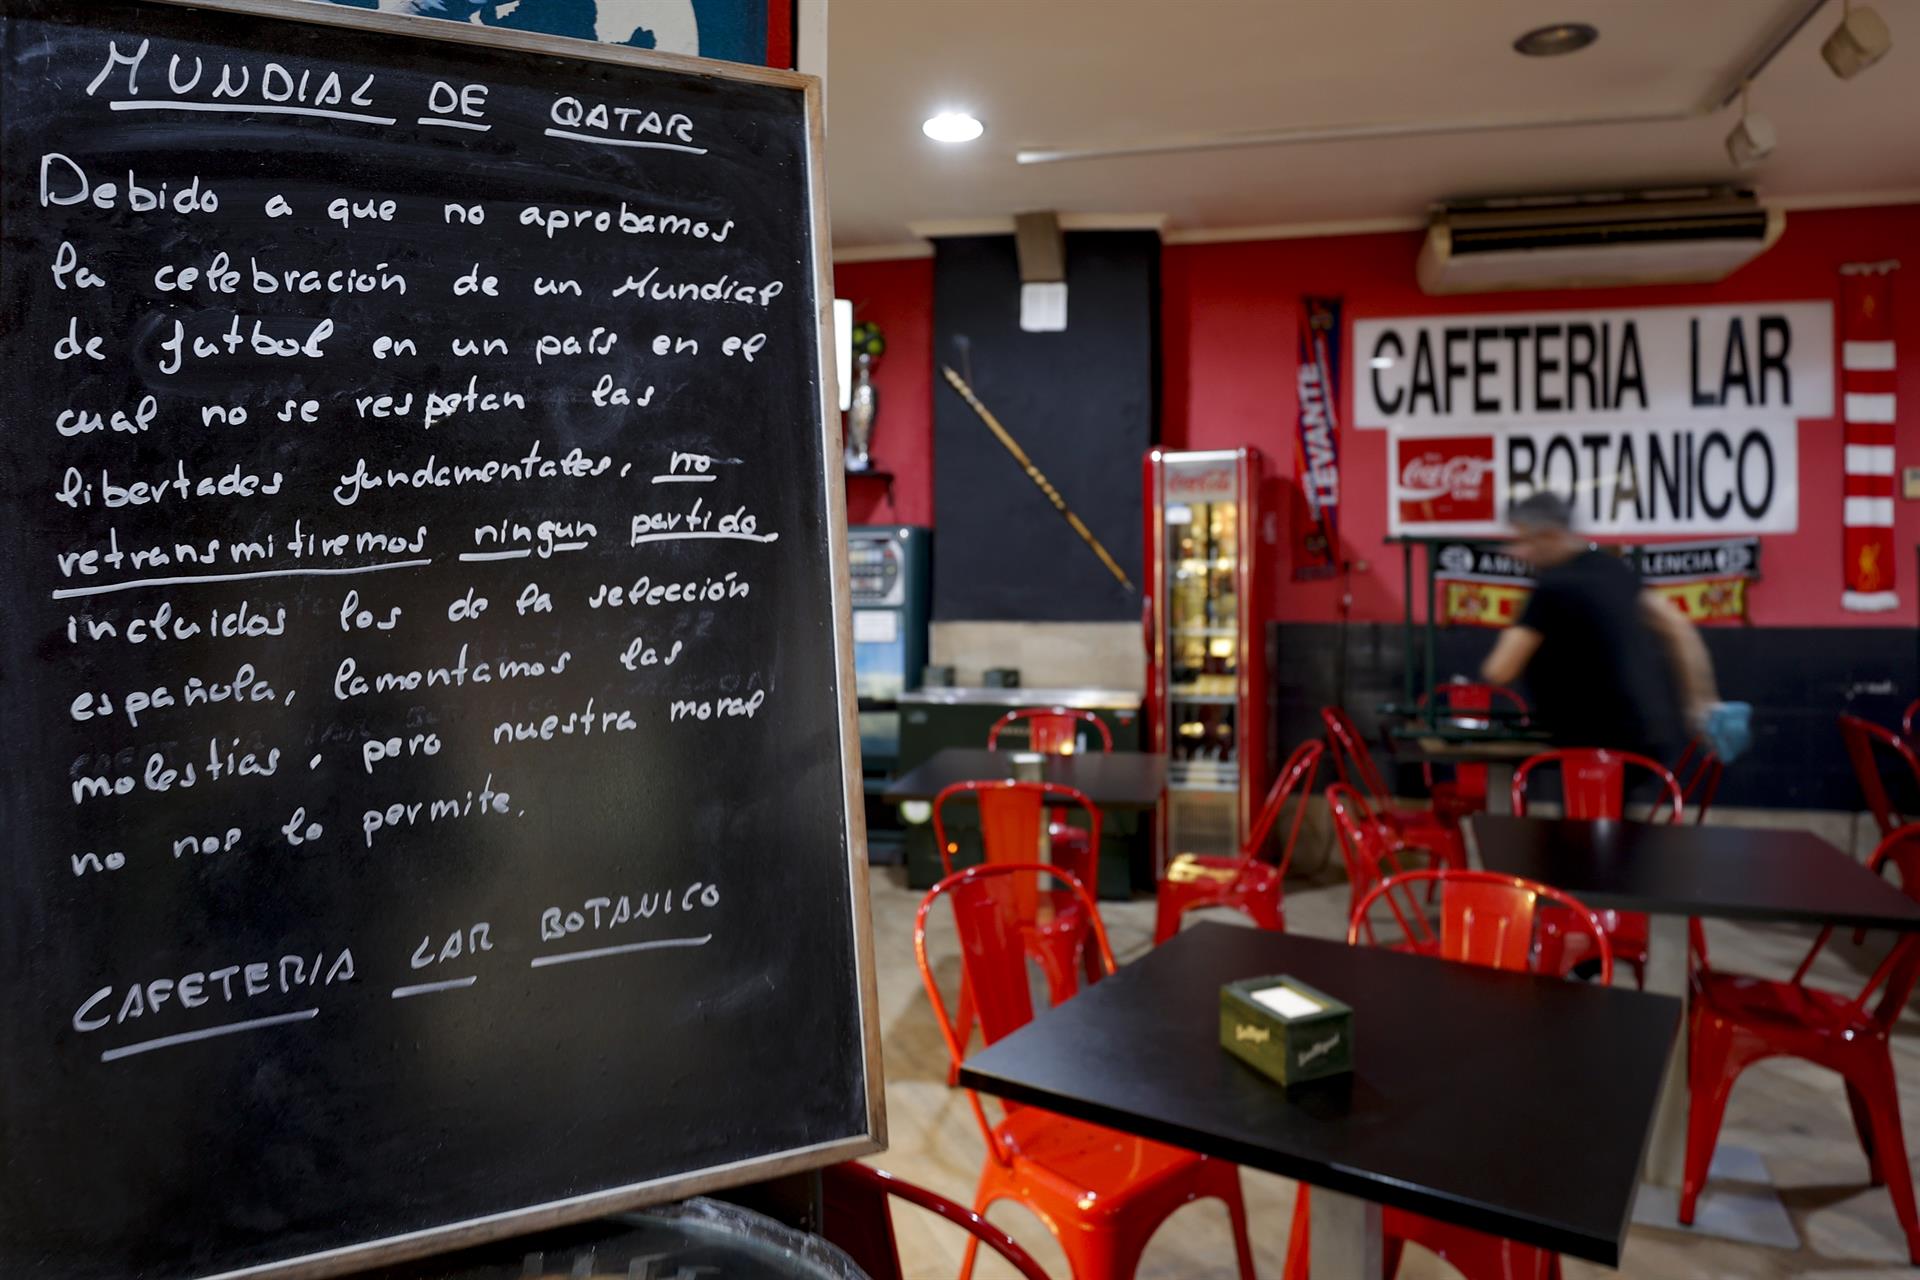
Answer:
[(753, 31)]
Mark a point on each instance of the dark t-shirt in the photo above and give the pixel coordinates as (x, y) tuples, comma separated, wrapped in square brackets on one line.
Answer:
[(1600, 677)]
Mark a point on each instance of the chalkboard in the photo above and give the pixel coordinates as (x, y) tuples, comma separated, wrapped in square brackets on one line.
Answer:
[(429, 785)]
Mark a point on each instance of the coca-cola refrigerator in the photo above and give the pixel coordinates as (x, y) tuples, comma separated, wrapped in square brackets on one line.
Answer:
[(1206, 673)]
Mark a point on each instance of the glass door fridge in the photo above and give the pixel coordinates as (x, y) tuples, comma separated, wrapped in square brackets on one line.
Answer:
[(1205, 669)]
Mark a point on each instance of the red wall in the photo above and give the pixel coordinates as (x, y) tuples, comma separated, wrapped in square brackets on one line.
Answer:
[(897, 296), (1229, 321), (1229, 313)]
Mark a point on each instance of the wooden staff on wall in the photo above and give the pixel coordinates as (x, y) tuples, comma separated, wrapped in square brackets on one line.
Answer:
[(1034, 474)]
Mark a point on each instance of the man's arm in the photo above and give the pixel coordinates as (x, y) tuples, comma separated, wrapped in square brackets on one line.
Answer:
[(1686, 653), (1511, 654)]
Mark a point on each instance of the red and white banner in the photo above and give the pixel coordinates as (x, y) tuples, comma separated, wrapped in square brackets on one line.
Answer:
[(1867, 409)]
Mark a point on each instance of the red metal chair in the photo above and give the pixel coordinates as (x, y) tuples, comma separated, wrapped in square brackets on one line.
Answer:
[(1010, 825), (1248, 883), (1355, 766), (1593, 784), (1699, 772), (858, 1219), (1737, 1020), (1466, 792), (1052, 730), (1371, 849), (1485, 919), (1867, 744), (1907, 718), (1103, 1194), (1056, 731)]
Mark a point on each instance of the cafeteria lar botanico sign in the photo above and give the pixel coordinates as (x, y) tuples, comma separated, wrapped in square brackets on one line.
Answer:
[(1654, 421)]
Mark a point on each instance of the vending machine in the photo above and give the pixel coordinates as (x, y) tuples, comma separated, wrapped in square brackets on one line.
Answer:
[(1206, 675), (890, 571)]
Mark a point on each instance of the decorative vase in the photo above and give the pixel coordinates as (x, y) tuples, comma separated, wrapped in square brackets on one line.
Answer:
[(863, 405)]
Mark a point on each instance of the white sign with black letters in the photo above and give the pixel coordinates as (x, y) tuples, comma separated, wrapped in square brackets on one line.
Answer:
[(1668, 420), (1774, 358)]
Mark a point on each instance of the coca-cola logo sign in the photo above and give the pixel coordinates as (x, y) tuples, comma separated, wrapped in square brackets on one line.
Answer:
[(1431, 476), (1197, 483), (1442, 479)]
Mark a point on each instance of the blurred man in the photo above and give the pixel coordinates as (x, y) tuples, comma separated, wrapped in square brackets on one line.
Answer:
[(1608, 663)]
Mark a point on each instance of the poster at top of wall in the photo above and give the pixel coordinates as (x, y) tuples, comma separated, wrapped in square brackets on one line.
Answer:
[(1651, 422), (731, 30)]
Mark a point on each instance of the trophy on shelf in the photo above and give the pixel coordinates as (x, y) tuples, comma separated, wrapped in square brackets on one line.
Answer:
[(863, 404)]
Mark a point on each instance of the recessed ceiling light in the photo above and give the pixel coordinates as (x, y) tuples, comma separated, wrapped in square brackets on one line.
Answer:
[(1556, 39), (953, 126)]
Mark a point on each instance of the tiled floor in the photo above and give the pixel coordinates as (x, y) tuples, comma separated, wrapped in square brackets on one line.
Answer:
[(1793, 1113)]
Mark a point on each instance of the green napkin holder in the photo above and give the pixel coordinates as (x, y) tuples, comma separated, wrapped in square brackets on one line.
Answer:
[(1294, 1034)]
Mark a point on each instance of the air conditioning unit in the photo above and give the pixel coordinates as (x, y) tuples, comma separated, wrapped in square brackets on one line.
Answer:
[(1690, 236)]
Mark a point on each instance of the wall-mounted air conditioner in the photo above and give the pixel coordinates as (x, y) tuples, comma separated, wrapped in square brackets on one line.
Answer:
[(1687, 236)]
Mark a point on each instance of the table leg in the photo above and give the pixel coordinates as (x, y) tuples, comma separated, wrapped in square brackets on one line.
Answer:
[(1347, 1244), (1500, 788), (1667, 975), (1750, 1211), (1160, 838)]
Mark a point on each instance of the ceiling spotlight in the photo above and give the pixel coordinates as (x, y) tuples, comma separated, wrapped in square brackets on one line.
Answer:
[(1752, 138), (953, 126), (1860, 40), (1552, 41)]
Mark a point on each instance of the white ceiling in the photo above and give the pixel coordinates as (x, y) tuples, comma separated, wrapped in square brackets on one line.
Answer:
[(1076, 73)]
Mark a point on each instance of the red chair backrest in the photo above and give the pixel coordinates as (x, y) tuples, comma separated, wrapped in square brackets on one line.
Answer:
[(1593, 782), (1457, 696), (1011, 820), (1867, 744), (1699, 771), (1898, 972), (1485, 919), (1370, 850), (1907, 718), (856, 1218), (1460, 696), (1296, 777), (1052, 730), (1351, 760), (990, 905)]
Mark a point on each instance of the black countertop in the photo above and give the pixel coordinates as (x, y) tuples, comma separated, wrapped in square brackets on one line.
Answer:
[(1111, 779)]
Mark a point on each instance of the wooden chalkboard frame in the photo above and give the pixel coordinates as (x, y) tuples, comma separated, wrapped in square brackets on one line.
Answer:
[(353, 1258)]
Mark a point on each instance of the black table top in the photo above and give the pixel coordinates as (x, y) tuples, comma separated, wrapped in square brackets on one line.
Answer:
[(1111, 779), (1733, 873), (1464, 747), (1501, 1101)]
